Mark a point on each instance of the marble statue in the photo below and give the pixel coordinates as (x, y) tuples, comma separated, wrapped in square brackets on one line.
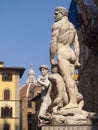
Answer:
[(59, 85), (67, 106), (45, 94), (64, 36)]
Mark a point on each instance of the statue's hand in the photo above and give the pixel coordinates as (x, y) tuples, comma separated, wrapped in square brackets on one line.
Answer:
[(57, 100), (53, 62), (40, 80), (77, 65)]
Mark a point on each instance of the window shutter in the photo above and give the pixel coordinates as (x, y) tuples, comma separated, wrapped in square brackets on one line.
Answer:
[(2, 112)]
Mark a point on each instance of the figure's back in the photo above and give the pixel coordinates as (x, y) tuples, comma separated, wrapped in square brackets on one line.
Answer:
[(66, 32)]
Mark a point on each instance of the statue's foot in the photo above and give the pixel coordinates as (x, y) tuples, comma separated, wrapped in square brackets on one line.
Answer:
[(70, 105)]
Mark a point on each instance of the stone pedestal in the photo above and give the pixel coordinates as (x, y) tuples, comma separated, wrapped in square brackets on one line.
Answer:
[(70, 127)]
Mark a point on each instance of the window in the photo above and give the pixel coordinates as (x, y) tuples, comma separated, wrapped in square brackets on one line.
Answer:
[(29, 104), (29, 115), (6, 95), (6, 112), (6, 77), (32, 121), (6, 127)]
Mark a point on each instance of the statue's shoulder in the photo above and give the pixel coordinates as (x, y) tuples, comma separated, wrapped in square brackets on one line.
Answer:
[(71, 26), (57, 25)]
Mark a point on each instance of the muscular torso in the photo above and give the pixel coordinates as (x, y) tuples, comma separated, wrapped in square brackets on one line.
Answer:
[(64, 32)]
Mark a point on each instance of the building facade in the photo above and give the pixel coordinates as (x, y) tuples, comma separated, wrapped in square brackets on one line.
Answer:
[(9, 97), (88, 72), (30, 102)]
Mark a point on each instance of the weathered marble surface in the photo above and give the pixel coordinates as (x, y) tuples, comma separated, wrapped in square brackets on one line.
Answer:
[(66, 106), (70, 127)]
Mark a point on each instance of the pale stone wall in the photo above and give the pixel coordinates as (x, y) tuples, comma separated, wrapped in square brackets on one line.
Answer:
[(17, 86), (70, 127), (14, 102), (13, 123), (25, 110)]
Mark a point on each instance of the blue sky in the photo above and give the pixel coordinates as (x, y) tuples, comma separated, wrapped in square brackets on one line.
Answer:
[(25, 32)]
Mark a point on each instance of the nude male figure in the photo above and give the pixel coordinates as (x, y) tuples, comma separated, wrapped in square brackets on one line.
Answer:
[(46, 91), (59, 85), (64, 36)]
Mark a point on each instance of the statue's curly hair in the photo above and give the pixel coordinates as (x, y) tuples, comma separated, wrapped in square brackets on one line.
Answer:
[(62, 10)]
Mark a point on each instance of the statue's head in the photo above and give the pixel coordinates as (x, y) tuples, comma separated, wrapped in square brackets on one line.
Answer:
[(62, 10), (55, 68), (59, 12), (44, 66), (44, 69)]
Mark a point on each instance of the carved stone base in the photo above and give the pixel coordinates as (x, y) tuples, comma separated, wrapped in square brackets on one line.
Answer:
[(69, 120), (74, 116), (70, 127)]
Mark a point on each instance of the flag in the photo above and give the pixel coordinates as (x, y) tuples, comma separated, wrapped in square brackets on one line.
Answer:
[(91, 8), (73, 15)]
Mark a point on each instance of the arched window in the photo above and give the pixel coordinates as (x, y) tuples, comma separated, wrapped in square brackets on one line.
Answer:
[(6, 94), (6, 127), (6, 112)]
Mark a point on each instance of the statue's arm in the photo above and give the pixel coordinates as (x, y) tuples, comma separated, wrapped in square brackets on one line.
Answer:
[(77, 50), (53, 44), (44, 82)]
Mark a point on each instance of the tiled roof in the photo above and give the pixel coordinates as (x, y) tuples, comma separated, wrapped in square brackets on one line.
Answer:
[(26, 89)]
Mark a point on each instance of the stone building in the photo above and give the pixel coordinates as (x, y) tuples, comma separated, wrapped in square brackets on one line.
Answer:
[(30, 102), (88, 72), (9, 97)]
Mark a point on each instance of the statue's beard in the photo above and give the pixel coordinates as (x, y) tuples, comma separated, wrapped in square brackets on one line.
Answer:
[(57, 19)]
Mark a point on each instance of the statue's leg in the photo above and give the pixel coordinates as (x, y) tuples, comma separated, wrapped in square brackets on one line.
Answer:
[(65, 68)]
